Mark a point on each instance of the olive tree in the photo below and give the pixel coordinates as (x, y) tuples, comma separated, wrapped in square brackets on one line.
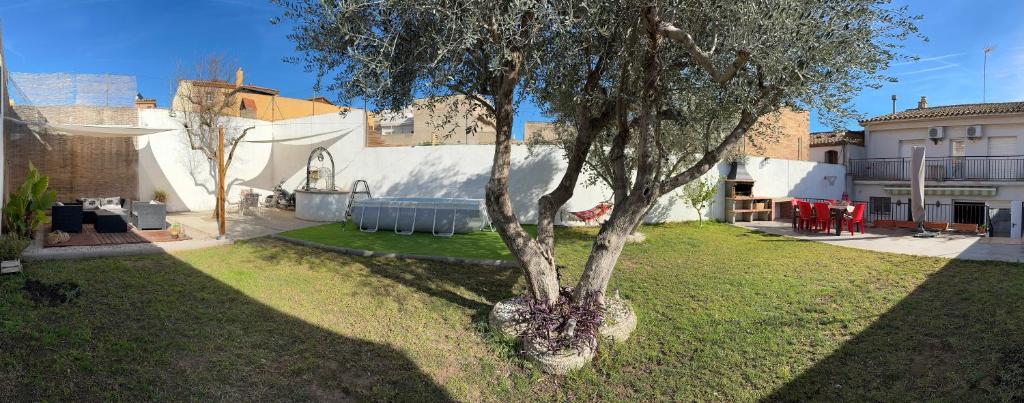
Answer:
[(652, 94)]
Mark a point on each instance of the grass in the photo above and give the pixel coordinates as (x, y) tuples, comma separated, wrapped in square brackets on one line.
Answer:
[(724, 314), (477, 245)]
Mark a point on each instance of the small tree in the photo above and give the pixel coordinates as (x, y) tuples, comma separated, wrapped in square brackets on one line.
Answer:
[(206, 102), (700, 194)]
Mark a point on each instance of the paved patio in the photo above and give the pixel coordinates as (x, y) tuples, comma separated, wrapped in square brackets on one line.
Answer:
[(948, 245), (202, 225)]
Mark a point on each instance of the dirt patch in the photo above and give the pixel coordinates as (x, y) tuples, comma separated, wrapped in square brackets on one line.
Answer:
[(52, 294)]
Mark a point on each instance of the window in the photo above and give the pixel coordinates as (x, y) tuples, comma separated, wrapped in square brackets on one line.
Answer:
[(832, 157), (209, 97), (247, 108), (881, 205)]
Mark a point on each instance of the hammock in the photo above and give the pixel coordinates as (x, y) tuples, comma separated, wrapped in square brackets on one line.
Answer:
[(592, 214)]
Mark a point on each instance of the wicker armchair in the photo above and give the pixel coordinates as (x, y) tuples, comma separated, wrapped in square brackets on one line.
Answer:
[(67, 218), (147, 215)]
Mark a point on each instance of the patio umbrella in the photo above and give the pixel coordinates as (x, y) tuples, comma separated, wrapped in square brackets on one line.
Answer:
[(917, 189)]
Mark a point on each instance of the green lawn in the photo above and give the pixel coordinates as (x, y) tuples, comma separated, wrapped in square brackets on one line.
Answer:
[(477, 245), (724, 314)]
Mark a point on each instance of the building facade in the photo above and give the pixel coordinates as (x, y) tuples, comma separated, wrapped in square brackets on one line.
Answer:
[(451, 120), (974, 167)]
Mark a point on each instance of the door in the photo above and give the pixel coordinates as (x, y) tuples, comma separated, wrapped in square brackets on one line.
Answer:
[(957, 152), (1000, 222)]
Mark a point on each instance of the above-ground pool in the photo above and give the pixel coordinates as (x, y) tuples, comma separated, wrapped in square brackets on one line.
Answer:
[(406, 215)]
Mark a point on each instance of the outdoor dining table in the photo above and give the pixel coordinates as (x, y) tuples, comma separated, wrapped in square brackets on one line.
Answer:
[(837, 215)]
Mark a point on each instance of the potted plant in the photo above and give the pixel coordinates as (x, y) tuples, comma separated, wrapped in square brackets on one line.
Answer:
[(160, 196), (11, 246)]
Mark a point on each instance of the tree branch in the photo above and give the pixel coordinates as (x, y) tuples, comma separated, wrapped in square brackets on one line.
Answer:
[(711, 158), (704, 58)]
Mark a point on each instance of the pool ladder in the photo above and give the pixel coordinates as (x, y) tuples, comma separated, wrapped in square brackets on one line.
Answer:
[(354, 190)]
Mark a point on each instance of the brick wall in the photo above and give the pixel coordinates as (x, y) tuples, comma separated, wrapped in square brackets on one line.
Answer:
[(77, 166), (783, 135)]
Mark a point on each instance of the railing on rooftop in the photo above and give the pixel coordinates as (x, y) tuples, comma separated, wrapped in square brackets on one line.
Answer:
[(995, 169)]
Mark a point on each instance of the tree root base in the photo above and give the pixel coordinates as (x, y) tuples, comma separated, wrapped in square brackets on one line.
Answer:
[(619, 320), (636, 237), (510, 317)]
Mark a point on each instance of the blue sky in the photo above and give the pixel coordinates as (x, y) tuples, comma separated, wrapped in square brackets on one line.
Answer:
[(150, 39)]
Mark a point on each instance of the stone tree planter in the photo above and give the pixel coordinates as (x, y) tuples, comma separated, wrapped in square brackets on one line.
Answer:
[(558, 362), (510, 317)]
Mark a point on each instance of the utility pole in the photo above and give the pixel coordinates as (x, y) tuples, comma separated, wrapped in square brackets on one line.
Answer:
[(984, 74), (221, 224)]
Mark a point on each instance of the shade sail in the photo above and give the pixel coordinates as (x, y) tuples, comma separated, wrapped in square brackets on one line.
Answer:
[(102, 131)]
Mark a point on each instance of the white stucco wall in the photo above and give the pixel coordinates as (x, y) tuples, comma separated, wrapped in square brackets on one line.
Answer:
[(167, 163), (883, 140)]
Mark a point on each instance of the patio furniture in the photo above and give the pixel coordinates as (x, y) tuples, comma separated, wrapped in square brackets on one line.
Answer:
[(856, 218), (250, 204), (806, 220), (148, 215), (110, 221), (794, 208), (822, 217), (67, 218)]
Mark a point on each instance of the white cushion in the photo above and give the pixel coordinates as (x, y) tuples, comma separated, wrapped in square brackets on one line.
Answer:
[(111, 202), (90, 203)]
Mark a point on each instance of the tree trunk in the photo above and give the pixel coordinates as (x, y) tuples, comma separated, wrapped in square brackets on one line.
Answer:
[(537, 263)]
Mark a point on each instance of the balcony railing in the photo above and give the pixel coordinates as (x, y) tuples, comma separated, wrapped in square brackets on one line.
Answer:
[(940, 169)]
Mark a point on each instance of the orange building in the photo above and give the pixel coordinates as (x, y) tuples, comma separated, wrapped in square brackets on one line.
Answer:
[(255, 102)]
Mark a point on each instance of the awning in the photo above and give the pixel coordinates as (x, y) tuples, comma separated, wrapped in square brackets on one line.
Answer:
[(102, 131), (987, 191)]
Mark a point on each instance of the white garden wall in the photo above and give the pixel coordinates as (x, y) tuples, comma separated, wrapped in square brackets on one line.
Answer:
[(167, 163)]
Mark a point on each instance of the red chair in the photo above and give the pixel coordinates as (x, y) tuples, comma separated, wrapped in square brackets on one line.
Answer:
[(805, 221), (857, 217), (823, 218)]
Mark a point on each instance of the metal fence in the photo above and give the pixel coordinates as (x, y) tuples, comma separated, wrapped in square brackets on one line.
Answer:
[(1000, 169), (900, 210)]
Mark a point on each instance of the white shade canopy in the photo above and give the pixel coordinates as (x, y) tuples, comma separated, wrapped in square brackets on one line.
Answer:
[(103, 131)]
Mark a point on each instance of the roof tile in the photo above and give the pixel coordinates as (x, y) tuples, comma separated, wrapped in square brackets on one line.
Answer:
[(948, 111)]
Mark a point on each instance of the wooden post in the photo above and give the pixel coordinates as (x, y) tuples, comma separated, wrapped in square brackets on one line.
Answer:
[(221, 224)]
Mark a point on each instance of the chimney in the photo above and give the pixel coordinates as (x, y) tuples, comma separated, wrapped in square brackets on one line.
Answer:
[(238, 77), (923, 103)]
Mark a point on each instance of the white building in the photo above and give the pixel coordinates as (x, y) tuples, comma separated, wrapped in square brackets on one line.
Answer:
[(974, 163)]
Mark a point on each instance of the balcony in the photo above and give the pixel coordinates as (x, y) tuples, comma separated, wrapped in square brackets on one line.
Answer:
[(942, 169)]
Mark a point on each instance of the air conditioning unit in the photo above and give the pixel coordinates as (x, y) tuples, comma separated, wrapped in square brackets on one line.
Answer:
[(974, 132), (936, 133)]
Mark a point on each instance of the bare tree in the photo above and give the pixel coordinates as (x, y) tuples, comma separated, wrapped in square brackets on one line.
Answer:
[(207, 102)]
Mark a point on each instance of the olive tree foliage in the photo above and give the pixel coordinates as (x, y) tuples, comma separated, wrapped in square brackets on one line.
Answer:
[(652, 93)]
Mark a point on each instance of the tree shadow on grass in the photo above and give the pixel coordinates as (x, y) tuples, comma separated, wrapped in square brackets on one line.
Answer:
[(476, 288), (957, 336), (156, 328)]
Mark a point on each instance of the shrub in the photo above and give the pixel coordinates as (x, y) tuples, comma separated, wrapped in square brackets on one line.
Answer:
[(11, 246), (26, 207), (160, 196)]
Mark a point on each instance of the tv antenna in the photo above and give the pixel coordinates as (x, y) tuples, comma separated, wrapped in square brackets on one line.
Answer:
[(984, 73)]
